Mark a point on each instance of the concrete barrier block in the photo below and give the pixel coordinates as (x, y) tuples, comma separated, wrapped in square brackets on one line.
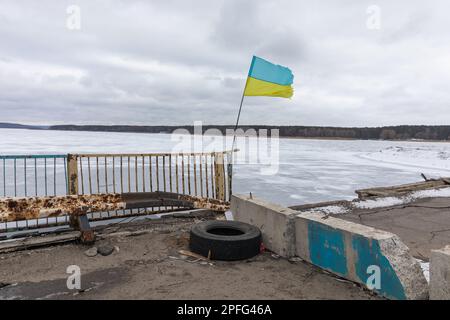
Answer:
[(374, 258), (275, 222), (440, 274), (357, 252)]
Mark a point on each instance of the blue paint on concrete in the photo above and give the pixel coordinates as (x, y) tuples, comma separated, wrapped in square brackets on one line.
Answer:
[(368, 253), (327, 248)]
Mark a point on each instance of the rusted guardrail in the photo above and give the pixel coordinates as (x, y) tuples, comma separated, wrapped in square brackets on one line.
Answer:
[(202, 175), (12, 209)]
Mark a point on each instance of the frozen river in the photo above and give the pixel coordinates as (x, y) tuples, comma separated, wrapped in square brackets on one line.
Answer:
[(307, 170)]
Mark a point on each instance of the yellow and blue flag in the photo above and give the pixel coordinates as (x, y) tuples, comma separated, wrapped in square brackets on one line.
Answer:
[(268, 79)]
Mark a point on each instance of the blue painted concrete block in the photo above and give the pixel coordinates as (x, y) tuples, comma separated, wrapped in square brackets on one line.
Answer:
[(327, 248), (368, 253)]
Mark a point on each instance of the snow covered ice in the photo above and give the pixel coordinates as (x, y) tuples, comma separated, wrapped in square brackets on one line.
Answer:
[(309, 170)]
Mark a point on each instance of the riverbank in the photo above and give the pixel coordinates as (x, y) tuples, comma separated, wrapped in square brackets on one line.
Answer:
[(389, 133)]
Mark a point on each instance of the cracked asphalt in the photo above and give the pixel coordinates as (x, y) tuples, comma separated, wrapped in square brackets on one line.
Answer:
[(423, 225)]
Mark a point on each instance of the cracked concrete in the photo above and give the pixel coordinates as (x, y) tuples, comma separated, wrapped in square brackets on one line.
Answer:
[(423, 225)]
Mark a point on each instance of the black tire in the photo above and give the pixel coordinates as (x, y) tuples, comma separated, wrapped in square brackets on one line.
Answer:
[(225, 240)]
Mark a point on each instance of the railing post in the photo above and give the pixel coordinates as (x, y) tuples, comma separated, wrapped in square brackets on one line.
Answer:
[(72, 172), (230, 174), (219, 176), (72, 178)]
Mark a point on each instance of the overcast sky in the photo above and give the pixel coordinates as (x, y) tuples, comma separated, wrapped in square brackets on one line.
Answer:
[(179, 61)]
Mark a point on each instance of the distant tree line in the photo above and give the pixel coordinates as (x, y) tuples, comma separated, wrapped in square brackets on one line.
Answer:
[(384, 133)]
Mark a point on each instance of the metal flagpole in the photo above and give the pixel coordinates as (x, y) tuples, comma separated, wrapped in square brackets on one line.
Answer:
[(230, 161), (237, 120), (240, 107), (239, 116)]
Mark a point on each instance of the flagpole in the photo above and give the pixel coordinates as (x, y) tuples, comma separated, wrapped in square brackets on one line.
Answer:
[(230, 161), (238, 116)]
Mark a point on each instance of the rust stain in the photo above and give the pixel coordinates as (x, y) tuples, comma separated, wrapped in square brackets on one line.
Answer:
[(206, 203), (13, 209)]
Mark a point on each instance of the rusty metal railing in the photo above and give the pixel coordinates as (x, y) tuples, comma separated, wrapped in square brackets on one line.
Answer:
[(204, 175)]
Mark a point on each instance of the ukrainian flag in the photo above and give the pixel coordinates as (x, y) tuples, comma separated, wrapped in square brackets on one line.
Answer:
[(268, 79)]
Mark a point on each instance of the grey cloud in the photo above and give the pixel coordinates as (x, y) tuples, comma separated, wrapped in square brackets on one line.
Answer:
[(240, 26), (178, 61)]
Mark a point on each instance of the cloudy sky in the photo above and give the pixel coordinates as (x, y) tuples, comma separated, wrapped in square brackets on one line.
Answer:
[(356, 62)]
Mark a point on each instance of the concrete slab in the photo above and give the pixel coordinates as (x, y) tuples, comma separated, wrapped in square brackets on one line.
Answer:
[(423, 225), (357, 252), (275, 222), (440, 274)]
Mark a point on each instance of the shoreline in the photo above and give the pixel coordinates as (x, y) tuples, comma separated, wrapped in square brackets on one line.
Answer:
[(281, 137)]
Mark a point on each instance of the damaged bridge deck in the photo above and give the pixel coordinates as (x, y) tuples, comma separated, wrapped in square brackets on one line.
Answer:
[(423, 224), (418, 213), (77, 207), (147, 264)]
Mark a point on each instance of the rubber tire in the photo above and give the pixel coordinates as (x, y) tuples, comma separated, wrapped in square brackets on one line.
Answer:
[(225, 247)]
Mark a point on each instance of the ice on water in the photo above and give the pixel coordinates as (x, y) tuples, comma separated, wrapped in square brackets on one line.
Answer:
[(308, 171)]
